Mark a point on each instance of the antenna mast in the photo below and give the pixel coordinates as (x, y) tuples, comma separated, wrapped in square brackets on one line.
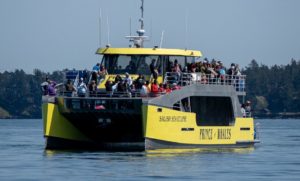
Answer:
[(161, 38), (138, 41), (108, 31), (186, 29), (142, 15), (100, 24)]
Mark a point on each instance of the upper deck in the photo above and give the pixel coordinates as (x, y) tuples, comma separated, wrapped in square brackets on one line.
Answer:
[(238, 82)]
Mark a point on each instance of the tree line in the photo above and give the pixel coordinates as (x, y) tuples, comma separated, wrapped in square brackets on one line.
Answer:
[(273, 91)]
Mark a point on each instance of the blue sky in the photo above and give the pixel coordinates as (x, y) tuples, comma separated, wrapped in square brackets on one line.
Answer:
[(57, 34)]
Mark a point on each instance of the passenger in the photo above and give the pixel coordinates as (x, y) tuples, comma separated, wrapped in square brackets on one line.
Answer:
[(155, 74), (248, 109), (177, 70), (102, 72), (128, 78), (193, 68), (96, 68), (204, 78), (238, 80), (202, 67), (167, 88), (161, 88), (121, 87), (243, 110), (81, 88), (176, 67), (44, 87), (152, 66), (186, 106), (93, 88), (114, 86), (212, 73), (133, 90), (51, 88), (207, 67), (95, 76), (231, 73), (109, 88), (69, 87), (118, 78), (222, 74), (213, 62), (170, 66), (144, 90), (153, 70), (154, 88), (139, 82), (148, 86), (237, 70), (127, 88), (131, 67), (185, 69)]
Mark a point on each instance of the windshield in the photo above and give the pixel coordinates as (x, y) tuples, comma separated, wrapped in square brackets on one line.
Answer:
[(133, 64), (142, 64)]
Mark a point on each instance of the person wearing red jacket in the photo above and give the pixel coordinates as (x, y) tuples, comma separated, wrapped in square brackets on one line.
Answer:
[(154, 88)]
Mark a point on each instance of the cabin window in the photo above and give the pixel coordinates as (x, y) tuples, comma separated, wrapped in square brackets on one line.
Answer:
[(140, 64), (190, 60), (212, 111), (183, 105), (183, 61), (133, 64)]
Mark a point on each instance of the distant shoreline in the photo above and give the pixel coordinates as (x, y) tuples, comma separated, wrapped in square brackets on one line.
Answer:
[(281, 115)]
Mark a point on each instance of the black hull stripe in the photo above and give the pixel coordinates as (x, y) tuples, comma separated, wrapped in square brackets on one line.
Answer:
[(54, 143), (159, 144)]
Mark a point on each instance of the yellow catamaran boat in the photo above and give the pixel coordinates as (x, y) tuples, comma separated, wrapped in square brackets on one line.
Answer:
[(202, 110)]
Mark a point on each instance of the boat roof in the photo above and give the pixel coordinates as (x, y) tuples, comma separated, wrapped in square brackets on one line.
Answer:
[(148, 51)]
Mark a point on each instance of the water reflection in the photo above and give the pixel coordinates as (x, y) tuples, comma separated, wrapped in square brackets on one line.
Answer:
[(150, 153), (181, 152), (92, 154)]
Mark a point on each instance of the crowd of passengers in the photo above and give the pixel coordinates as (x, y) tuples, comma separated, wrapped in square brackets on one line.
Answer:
[(138, 87), (208, 71), (125, 86), (120, 87)]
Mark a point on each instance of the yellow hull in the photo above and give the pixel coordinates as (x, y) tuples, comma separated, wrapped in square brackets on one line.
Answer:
[(170, 128), (162, 128), (57, 127)]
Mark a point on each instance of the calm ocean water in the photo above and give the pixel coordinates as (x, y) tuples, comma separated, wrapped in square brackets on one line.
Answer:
[(22, 157)]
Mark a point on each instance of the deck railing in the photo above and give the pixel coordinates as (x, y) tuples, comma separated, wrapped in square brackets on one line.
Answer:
[(184, 79), (109, 94), (171, 78)]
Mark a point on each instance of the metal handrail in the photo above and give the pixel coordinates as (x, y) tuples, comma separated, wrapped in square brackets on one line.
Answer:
[(183, 79)]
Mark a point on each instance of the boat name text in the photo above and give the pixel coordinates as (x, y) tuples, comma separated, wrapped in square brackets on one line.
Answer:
[(221, 134), (172, 119)]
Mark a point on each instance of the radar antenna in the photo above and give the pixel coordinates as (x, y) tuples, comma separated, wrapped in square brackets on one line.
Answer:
[(138, 41)]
